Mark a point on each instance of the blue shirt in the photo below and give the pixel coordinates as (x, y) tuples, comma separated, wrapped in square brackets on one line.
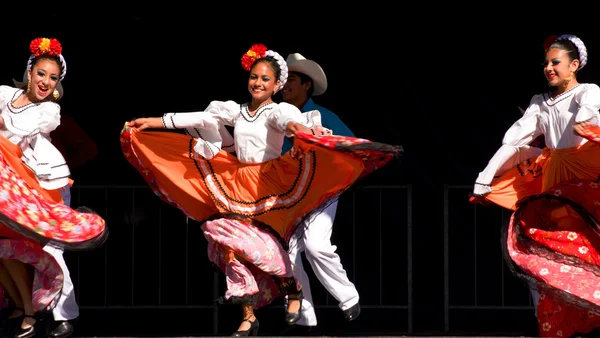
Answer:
[(329, 120)]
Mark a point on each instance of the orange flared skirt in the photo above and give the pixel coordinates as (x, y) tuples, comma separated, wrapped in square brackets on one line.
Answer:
[(275, 195)]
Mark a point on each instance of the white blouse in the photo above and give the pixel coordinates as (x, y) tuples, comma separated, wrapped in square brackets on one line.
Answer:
[(257, 138), (29, 127), (552, 117)]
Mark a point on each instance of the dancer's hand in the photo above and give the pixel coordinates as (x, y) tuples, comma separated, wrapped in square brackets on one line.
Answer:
[(480, 191), (479, 199), (320, 131), (294, 127), (2, 126), (580, 127), (146, 122)]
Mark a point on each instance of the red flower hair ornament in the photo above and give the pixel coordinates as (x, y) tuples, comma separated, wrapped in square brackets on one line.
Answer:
[(46, 46), (40, 46), (255, 52), (258, 51)]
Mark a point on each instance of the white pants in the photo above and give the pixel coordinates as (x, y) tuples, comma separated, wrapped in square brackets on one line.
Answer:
[(66, 307), (325, 262)]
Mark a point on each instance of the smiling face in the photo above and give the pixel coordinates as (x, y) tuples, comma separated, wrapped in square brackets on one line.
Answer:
[(262, 82), (295, 90), (43, 77), (558, 67)]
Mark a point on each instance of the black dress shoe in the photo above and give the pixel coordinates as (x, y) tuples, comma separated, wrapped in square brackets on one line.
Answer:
[(352, 313), (252, 331), (292, 317), (28, 332), (64, 329)]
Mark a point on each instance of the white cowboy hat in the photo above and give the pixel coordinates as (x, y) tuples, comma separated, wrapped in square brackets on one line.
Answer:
[(23, 84), (298, 63)]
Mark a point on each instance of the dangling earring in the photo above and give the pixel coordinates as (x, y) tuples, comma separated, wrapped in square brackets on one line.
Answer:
[(567, 80), (28, 87), (56, 94)]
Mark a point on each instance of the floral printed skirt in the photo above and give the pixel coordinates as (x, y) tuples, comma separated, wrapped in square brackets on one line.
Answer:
[(553, 238), (554, 241), (28, 210), (256, 266), (31, 217), (47, 275)]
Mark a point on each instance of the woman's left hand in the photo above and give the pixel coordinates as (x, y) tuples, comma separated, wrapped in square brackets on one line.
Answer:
[(146, 123)]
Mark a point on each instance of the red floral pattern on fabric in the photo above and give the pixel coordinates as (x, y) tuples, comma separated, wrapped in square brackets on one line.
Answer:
[(555, 224), (558, 319), (48, 276), (264, 256), (24, 205)]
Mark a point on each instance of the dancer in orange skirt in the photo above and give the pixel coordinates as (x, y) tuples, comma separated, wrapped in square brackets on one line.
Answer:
[(31, 210), (553, 238), (250, 204)]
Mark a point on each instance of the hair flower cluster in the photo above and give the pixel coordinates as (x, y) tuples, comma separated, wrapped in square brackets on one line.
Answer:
[(255, 52), (41, 46)]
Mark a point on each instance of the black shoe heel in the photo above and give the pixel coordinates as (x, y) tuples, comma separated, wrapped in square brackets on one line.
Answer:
[(28, 332), (292, 317), (252, 331)]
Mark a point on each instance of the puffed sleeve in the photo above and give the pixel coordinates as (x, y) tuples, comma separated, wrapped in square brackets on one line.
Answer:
[(286, 113), (514, 147), (45, 120), (49, 118), (5, 94), (589, 104), (217, 113)]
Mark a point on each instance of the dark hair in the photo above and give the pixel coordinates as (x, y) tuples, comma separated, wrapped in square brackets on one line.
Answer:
[(569, 47), (272, 64)]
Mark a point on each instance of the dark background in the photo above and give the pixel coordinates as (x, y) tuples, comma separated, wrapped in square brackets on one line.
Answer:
[(443, 82)]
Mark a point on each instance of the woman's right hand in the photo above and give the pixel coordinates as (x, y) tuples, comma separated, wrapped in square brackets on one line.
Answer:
[(294, 127), (478, 199), (479, 192), (146, 122), (581, 127)]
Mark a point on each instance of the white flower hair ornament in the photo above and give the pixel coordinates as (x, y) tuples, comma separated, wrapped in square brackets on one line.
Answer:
[(258, 51), (583, 55)]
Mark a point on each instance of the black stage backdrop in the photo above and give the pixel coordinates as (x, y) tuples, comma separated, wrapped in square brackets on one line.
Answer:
[(446, 87)]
